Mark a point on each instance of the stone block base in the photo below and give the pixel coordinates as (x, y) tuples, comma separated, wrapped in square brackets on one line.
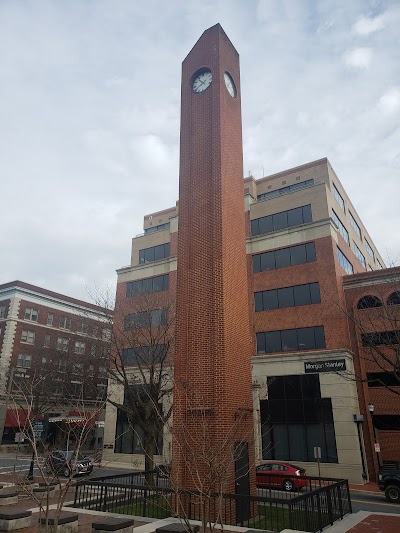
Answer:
[(17, 523)]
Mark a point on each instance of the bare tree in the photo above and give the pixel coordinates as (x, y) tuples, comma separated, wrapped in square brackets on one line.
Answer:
[(140, 362)]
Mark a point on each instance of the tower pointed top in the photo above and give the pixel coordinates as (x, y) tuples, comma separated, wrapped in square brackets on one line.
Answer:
[(213, 33)]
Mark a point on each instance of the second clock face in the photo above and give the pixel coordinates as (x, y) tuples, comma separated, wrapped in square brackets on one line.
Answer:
[(230, 84), (202, 81)]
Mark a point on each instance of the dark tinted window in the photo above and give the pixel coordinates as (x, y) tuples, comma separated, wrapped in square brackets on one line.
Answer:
[(154, 253), (260, 343), (394, 298), (291, 339), (273, 341), (285, 297), (270, 300), (295, 216), (265, 224), (280, 220), (156, 284), (298, 255), (267, 261), (282, 258), (368, 302), (302, 295), (383, 379), (310, 251)]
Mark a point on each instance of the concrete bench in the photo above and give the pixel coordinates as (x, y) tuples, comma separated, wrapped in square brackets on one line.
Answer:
[(177, 528), (9, 497), (122, 525), (15, 518), (67, 522), (42, 491)]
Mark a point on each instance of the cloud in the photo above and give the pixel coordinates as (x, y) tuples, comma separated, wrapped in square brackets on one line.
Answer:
[(365, 25), (389, 103), (359, 58)]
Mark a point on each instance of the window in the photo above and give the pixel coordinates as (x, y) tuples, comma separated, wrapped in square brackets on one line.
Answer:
[(284, 257), (31, 314), (342, 230), (285, 190), (366, 302), (62, 344), (379, 263), (91, 371), (65, 322), (46, 342), (28, 337), (369, 249), (62, 366), (24, 361), (151, 319), (359, 255), (287, 297), (383, 379), (394, 298), (283, 220), (82, 327), (95, 331), (288, 340), (3, 311), (50, 318), (338, 198), (387, 422), (344, 262), (106, 334), (77, 369), (79, 347), (143, 355), (160, 227), (143, 286), (295, 418), (385, 338), (356, 227), (155, 253)]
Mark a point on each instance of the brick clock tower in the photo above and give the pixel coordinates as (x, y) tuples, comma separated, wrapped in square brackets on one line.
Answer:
[(213, 414)]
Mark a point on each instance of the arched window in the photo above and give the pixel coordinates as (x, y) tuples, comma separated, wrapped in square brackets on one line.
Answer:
[(394, 298), (369, 301)]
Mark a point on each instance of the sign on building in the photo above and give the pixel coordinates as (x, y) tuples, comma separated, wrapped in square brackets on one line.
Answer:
[(332, 365)]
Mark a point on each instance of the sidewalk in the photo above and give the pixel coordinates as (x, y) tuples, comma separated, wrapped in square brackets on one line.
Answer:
[(366, 487)]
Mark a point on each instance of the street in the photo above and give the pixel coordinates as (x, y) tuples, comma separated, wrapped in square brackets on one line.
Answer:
[(361, 501)]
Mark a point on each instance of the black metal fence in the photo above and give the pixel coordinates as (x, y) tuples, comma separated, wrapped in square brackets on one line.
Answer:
[(322, 502)]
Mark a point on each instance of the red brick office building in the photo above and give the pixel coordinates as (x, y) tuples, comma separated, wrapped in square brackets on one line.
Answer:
[(58, 344), (303, 240)]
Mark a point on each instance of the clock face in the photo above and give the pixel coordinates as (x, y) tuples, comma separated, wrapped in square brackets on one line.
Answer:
[(230, 84), (202, 81)]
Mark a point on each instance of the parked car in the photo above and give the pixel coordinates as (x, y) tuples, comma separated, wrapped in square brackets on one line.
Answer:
[(389, 482), (68, 462), (273, 475)]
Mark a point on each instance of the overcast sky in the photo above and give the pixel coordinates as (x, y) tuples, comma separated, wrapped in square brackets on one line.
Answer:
[(90, 105)]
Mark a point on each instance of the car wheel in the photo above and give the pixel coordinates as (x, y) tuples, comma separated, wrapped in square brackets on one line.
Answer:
[(67, 471), (288, 485), (49, 469), (392, 493)]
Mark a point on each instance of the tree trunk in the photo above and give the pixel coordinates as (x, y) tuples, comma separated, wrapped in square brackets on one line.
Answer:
[(149, 465)]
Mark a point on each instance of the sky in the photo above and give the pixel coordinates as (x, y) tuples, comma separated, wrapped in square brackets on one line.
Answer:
[(90, 111)]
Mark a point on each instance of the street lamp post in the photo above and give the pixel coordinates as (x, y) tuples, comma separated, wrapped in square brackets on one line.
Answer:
[(371, 409)]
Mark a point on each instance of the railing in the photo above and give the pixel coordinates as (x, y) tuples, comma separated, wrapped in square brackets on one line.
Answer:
[(323, 502)]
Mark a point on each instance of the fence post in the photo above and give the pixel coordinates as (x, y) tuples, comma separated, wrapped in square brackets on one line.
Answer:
[(348, 496), (104, 499), (290, 509), (339, 494), (319, 512), (144, 502), (330, 514)]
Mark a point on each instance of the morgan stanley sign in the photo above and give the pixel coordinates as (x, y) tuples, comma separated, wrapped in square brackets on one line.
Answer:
[(333, 365)]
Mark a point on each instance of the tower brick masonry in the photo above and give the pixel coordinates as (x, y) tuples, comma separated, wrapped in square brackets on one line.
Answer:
[(212, 366)]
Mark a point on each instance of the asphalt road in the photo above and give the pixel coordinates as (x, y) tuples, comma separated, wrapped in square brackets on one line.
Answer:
[(361, 501)]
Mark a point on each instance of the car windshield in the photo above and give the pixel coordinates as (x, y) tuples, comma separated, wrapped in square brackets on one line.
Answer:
[(73, 455)]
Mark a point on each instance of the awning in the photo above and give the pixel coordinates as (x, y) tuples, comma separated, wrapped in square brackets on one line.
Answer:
[(16, 418), (76, 418)]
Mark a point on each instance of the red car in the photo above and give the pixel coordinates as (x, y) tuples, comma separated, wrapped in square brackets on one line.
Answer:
[(273, 475)]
